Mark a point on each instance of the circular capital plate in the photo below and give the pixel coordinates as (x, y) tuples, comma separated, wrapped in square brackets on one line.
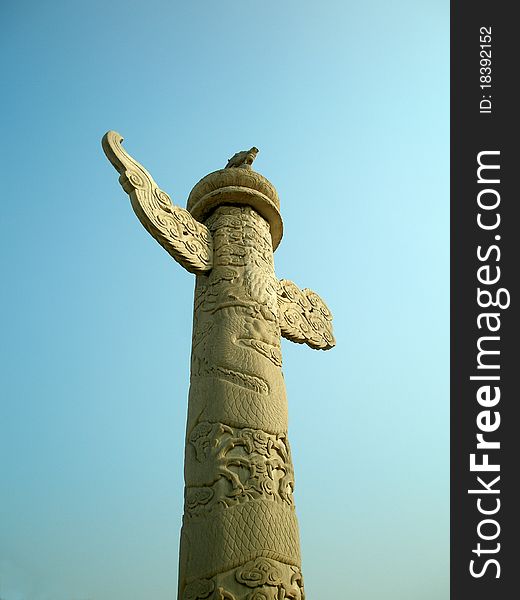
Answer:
[(241, 187)]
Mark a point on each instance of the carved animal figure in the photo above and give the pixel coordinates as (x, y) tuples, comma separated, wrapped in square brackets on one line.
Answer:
[(242, 160)]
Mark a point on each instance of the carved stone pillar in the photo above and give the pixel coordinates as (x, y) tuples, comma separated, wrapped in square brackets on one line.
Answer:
[(239, 538)]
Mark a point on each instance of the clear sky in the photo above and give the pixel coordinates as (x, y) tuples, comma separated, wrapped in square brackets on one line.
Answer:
[(348, 103)]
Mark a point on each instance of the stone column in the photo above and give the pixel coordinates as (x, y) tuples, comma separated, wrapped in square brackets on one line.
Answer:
[(240, 535), (239, 538)]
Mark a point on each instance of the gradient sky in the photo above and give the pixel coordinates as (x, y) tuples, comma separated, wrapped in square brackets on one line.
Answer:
[(348, 104)]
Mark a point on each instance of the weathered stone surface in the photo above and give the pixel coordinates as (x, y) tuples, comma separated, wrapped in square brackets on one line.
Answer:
[(239, 538)]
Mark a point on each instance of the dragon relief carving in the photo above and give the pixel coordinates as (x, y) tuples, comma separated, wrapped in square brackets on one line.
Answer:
[(239, 295), (245, 464)]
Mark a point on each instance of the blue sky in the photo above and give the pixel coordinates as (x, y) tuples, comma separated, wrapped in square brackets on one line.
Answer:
[(348, 104)]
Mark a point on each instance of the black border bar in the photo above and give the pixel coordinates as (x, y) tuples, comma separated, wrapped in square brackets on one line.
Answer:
[(485, 256)]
